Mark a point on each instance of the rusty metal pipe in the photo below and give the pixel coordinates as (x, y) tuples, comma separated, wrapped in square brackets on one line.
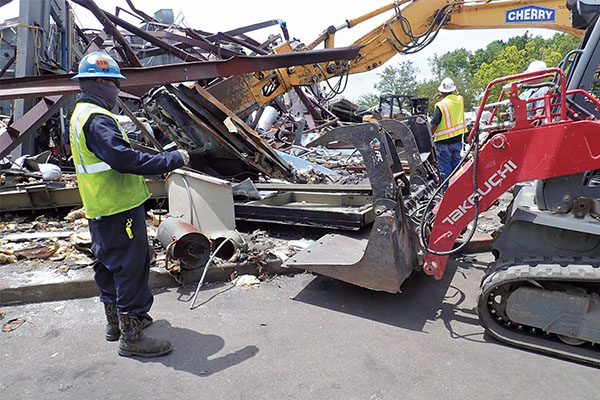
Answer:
[(184, 242)]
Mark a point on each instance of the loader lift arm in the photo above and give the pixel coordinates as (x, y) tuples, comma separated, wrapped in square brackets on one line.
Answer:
[(523, 153)]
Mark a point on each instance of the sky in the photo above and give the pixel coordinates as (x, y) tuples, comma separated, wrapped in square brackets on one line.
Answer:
[(305, 20)]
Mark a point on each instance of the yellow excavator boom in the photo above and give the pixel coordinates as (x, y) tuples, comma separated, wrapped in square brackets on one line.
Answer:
[(415, 24)]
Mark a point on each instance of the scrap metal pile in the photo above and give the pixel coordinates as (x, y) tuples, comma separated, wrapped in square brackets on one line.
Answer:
[(260, 125)]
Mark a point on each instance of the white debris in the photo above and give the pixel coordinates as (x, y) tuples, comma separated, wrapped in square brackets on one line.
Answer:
[(50, 172), (282, 252), (299, 245), (246, 281)]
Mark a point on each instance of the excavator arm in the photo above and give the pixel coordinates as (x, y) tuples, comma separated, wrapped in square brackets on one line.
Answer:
[(419, 21), (413, 26)]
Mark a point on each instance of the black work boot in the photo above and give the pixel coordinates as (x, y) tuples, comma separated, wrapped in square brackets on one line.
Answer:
[(134, 343), (112, 322), (112, 326)]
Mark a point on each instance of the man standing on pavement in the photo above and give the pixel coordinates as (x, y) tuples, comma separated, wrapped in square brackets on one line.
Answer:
[(113, 191), (448, 126)]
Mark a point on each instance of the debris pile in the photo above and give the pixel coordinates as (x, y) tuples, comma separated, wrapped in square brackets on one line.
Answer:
[(252, 114), (61, 243)]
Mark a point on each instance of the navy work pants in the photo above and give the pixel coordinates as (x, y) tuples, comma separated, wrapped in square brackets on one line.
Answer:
[(123, 263), (448, 157)]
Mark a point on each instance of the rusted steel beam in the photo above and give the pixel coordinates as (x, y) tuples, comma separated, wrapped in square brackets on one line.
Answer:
[(28, 123), (82, 35), (193, 42), (104, 19), (148, 37), (8, 64), (144, 78), (245, 29), (140, 12), (233, 39), (308, 104)]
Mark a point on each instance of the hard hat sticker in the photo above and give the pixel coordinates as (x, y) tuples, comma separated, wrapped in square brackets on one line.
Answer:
[(102, 63)]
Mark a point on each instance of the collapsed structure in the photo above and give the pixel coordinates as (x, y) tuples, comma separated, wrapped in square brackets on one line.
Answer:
[(232, 99)]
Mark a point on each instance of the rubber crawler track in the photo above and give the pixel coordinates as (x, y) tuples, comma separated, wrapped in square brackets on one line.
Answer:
[(543, 272)]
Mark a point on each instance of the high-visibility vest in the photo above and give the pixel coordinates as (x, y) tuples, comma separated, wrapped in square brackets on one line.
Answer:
[(103, 190), (453, 118)]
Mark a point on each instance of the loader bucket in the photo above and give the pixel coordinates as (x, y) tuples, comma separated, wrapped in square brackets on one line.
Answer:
[(385, 257)]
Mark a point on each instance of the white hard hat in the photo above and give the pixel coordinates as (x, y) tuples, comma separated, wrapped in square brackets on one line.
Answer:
[(536, 65), (447, 86)]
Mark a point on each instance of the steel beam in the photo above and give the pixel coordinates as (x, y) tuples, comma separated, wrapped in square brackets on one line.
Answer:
[(140, 12), (18, 131), (245, 29), (108, 24), (8, 64), (194, 42), (145, 78), (52, 195), (89, 4)]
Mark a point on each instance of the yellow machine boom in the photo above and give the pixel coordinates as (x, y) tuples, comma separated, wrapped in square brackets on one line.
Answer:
[(414, 24)]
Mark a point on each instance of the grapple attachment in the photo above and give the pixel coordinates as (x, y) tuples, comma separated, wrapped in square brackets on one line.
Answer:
[(385, 257)]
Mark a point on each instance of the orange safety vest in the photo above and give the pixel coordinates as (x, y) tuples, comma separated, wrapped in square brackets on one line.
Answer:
[(453, 118)]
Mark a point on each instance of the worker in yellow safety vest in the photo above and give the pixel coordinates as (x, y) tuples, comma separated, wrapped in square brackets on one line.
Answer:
[(448, 125), (113, 191)]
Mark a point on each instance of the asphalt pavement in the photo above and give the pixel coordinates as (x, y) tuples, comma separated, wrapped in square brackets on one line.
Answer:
[(295, 337)]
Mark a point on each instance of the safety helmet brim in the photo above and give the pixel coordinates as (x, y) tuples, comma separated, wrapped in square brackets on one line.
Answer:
[(536, 66), (446, 90), (96, 75)]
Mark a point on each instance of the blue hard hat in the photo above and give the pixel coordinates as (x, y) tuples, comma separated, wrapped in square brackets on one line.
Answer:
[(98, 65)]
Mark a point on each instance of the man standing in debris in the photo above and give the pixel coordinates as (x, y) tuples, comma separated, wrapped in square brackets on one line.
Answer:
[(448, 126), (113, 191)]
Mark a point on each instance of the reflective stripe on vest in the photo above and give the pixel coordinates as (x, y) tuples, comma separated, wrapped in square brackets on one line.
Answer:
[(104, 191), (453, 118), (92, 168)]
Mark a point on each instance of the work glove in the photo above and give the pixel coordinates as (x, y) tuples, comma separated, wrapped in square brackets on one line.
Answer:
[(185, 156)]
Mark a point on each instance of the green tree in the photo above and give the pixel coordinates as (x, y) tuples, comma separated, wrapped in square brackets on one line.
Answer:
[(557, 48), (368, 100), (452, 63), (515, 57), (456, 65), (398, 80), (486, 55), (472, 71)]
